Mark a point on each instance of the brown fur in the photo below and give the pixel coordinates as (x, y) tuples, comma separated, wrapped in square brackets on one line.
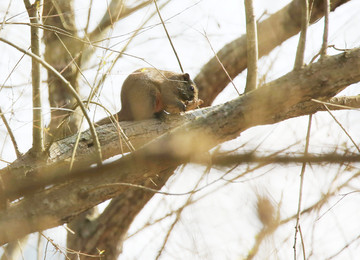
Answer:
[(148, 91)]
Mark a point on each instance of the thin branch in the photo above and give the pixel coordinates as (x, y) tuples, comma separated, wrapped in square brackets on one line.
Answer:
[(6, 14), (72, 90), (34, 12), (297, 226), (344, 247), (221, 64), (178, 214), (302, 242), (351, 139), (168, 36), (326, 29), (252, 47), (340, 103), (300, 52), (115, 7), (90, 43), (11, 134), (88, 18)]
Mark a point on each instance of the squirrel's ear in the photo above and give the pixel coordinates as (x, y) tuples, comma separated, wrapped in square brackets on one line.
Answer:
[(186, 77)]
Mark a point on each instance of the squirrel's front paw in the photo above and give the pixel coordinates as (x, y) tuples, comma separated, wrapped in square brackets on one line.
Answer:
[(193, 104)]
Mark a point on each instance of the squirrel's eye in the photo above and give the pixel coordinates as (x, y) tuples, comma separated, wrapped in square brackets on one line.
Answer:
[(191, 88)]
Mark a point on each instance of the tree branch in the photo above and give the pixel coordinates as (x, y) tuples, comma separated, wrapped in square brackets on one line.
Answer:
[(11, 134), (252, 47), (324, 45), (273, 31), (300, 52), (34, 12), (87, 187)]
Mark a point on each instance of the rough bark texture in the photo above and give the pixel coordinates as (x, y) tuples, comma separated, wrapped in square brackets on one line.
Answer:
[(61, 203)]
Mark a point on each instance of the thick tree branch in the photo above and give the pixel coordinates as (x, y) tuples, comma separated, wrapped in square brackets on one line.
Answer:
[(59, 204)]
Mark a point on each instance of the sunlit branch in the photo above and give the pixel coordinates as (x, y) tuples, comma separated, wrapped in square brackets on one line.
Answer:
[(252, 47)]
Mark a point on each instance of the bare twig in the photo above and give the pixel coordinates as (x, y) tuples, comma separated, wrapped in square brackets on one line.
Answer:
[(297, 226), (300, 52), (221, 64), (178, 214), (340, 103), (115, 10), (11, 134), (351, 139), (88, 17), (34, 12), (252, 47), (344, 247), (168, 36), (72, 90), (6, 13)]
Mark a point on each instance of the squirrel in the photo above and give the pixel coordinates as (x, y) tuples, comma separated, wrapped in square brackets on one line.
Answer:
[(148, 92)]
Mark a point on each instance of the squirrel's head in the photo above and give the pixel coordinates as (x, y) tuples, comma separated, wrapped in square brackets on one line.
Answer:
[(187, 90)]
